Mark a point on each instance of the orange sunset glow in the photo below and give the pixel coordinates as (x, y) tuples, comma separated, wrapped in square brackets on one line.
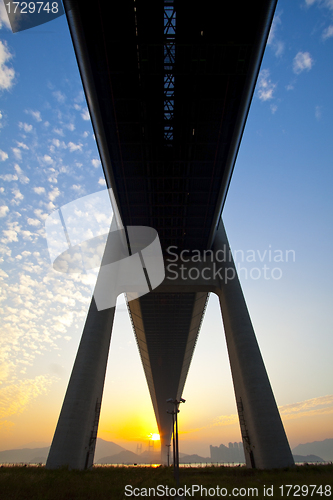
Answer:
[(155, 437)]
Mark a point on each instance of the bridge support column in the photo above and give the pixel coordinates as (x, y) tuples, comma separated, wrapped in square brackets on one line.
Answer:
[(265, 442), (74, 440)]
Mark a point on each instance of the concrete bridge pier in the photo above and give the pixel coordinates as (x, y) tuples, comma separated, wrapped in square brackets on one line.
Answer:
[(74, 440), (265, 442), (264, 438)]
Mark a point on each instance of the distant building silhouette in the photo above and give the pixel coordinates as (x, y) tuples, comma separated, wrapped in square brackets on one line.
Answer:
[(234, 453)]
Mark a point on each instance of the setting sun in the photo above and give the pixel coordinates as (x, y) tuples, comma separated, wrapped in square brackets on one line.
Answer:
[(155, 437)]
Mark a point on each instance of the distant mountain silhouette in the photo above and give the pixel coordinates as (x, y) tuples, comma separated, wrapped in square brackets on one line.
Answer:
[(307, 458), (124, 457), (38, 460), (39, 455), (33, 444), (192, 459), (128, 457), (112, 453), (106, 448), (150, 456), (25, 455), (323, 449)]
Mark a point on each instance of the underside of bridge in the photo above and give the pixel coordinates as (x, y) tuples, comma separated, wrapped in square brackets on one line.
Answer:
[(169, 85)]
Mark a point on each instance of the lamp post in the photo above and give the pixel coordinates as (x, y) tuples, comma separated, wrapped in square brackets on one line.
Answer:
[(174, 414), (168, 445)]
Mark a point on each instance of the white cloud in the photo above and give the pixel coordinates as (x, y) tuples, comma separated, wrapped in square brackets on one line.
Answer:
[(58, 131), (302, 61), (276, 45), (18, 196), (79, 97), (17, 153), (26, 127), (27, 235), (4, 16), (59, 96), (22, 178), (290, 86), (74, 147), (328, 32), (70, 126), (6, 74), (324, 3), (22, 145), (9, 177), (10, 236), (3, 275), (39, 190), (40, 214), (53, 194), (265, 86), (35, 114), (66, 319), (3, 210), (95, 162), (16, 397), (3, 155), (85, 115), (311, 407), (58, 144), (279, 48), (315, 406), (102, 182), (273, 108), (318, 112), (47, 159), (33, 222)]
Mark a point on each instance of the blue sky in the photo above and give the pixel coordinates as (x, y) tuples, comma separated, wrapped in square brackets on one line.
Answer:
[(279, 199)]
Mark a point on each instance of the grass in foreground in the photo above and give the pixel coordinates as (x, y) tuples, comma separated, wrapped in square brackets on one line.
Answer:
[(37, 483)]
